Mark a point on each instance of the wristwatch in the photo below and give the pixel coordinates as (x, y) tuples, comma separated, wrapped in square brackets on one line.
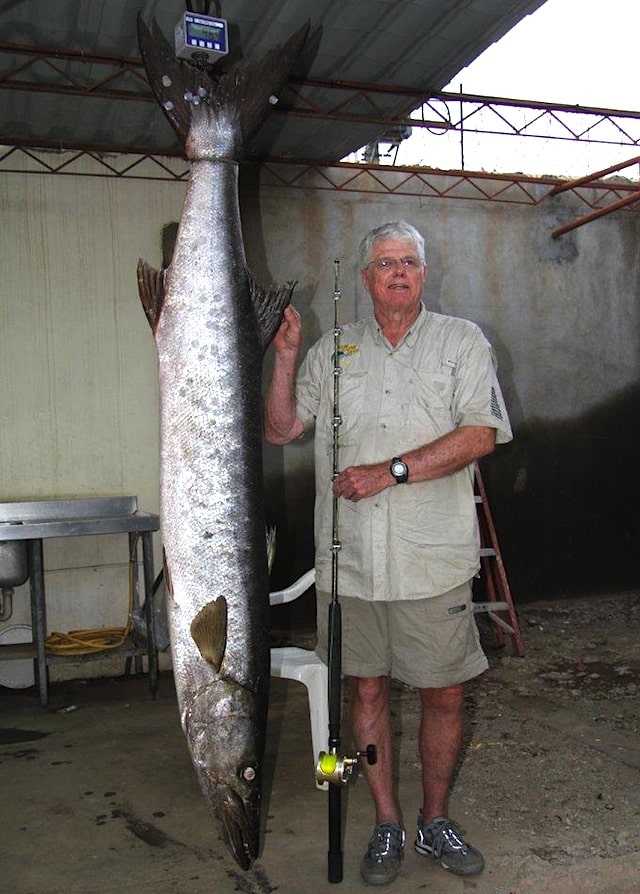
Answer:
[(399, 469)]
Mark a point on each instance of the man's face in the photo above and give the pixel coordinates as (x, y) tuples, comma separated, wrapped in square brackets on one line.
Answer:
[(394, 277)]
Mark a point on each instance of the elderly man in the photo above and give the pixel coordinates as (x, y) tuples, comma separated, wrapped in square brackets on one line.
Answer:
[(419, 402)]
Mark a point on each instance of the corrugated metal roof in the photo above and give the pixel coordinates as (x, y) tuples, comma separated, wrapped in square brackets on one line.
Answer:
[(68, 72)]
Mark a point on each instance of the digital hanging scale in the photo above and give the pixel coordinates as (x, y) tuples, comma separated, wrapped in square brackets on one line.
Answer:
[(198, 37)]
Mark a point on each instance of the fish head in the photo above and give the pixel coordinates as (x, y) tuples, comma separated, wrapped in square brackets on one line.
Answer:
[(223, 733)]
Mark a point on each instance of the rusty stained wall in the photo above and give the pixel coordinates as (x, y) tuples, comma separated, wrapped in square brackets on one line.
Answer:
[(78, 367), (564, 319)]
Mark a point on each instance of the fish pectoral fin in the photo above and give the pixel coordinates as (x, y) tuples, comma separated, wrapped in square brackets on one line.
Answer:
[(269, 305), (151, 291), (209, 631)]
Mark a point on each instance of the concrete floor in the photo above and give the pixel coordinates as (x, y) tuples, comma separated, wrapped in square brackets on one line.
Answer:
[(103, 798), (99, 796)]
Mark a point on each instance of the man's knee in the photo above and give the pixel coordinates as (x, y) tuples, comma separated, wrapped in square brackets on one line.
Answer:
[(447, 699), (371, 690)]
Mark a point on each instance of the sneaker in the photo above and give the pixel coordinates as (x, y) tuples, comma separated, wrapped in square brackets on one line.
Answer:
[(442, 839), (381, 863)]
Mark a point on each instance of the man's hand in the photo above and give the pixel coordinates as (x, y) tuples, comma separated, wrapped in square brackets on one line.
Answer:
[(280, 422), (357, 482), (288, 338), (444, 456)]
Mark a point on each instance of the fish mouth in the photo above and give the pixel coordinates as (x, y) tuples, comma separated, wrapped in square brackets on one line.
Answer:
[(241, 825)]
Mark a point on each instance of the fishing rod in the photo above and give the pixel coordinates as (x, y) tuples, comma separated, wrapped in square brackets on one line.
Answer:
[(332, 767)]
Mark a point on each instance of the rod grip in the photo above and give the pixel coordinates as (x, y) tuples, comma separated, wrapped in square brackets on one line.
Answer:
[(335, 673), (334, 856)]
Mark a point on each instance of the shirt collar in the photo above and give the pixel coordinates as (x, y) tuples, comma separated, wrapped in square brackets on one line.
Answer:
[(410, 337)]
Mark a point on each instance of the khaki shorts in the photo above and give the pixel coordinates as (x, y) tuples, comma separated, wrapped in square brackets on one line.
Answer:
[(425, 643)]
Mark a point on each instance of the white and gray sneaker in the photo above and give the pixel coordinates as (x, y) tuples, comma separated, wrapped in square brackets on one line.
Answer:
[(443, 840), (381, 863)]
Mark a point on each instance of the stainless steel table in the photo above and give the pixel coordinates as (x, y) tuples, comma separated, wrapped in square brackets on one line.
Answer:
[(35, 521)]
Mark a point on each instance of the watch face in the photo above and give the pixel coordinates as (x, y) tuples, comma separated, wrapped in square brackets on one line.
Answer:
[(399, 470)]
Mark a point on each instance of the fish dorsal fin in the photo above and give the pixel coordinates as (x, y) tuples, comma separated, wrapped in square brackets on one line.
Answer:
[(269, 305), (151, 291), (209, 631)]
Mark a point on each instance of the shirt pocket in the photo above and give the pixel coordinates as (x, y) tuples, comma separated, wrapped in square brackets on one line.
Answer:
[(431, 401), (352, 390)]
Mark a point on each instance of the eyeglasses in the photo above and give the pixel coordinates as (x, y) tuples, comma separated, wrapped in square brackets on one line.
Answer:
[(408, 263)]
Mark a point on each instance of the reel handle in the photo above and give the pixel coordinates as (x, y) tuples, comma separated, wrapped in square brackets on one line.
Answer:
[(337, 769), (370, 754)]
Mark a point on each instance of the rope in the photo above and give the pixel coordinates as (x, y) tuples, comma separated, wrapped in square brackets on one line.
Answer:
[(101, 639)]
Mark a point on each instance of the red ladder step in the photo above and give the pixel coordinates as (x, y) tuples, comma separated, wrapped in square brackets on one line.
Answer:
[(494, 575)]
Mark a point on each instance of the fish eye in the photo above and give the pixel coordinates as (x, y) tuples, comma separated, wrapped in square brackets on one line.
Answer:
[(247, 773)]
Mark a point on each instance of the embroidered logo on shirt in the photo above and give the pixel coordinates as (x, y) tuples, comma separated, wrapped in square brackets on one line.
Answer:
[(345, 353)]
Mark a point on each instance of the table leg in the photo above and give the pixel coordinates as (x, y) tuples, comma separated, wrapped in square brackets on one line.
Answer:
[(149, 602), (38, 614)]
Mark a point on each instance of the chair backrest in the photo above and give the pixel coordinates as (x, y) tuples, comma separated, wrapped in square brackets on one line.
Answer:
[(279, 597)]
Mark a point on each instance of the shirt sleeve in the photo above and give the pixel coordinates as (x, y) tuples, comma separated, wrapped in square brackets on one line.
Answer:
[(309, 382), (478, 399)]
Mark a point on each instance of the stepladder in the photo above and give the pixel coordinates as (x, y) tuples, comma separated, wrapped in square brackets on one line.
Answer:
[(499, 605)]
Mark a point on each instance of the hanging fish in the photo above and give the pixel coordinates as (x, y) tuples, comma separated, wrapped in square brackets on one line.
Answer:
[(211, 322)]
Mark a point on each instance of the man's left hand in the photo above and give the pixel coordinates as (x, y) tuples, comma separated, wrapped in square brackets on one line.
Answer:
[(357, 482)]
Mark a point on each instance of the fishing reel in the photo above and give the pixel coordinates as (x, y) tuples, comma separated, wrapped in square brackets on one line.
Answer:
[(333, 768)]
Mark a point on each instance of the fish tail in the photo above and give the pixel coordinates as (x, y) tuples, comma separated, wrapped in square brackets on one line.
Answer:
[(253, 89), (238, 100)]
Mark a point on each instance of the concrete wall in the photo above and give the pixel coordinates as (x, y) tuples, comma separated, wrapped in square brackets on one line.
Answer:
[(78, 369), (563, 316)]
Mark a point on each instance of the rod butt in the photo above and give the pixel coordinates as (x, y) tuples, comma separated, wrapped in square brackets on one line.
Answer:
[(334, 867)]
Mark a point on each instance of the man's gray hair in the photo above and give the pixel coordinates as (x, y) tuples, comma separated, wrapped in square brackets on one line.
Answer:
[(395, 229)]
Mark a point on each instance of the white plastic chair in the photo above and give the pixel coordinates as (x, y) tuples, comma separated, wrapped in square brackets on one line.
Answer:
[(303, 665)]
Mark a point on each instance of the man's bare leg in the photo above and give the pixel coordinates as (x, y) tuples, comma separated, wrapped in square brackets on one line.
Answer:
[(440, 741), (371, 724)]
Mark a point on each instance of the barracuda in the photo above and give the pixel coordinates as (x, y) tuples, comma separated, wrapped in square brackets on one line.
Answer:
[(211, 323)]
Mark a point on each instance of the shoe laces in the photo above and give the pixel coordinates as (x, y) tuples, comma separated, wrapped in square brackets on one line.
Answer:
[(447, 835), (387, 841)]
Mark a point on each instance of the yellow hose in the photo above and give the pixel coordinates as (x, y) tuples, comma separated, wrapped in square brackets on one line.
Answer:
[(101, 639)]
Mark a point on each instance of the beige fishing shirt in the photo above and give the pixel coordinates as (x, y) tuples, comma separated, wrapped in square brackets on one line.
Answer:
[(412, 540)]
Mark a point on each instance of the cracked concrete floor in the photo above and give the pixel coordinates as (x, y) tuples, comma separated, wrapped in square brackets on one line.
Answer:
[(103, 798)]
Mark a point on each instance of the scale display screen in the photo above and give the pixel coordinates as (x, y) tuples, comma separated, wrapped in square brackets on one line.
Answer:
[(198, 31), (198, 34)]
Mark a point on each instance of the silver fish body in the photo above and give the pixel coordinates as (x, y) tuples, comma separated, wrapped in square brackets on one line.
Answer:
[(211, 323)]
